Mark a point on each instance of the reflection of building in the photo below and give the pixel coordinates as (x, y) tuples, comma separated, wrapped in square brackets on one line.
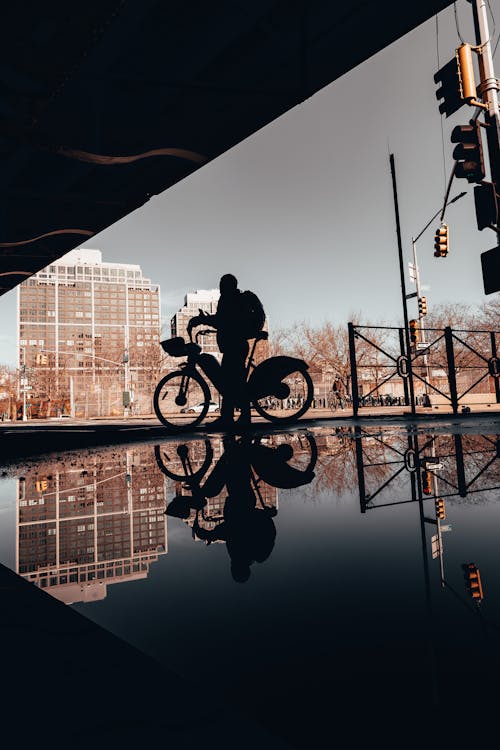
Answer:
[(76, 320), (202, 299), (83, 527)]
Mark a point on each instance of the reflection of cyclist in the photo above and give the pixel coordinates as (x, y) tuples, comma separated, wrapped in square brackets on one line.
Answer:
[(249, 532), (232, 342)]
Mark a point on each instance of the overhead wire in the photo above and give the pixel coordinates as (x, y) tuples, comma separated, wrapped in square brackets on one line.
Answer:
[(441, 118)]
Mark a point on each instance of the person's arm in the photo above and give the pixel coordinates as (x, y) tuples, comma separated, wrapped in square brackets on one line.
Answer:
[(202, 319)]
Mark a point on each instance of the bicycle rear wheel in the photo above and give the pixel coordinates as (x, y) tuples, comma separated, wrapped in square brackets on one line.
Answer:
[(294, 397), (181, 400)]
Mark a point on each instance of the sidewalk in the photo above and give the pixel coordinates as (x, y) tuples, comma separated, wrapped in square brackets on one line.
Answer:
[(35, 437)]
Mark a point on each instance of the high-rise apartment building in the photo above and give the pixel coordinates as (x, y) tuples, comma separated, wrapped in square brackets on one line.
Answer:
[(82, 527), (202, 299), (88, 333)]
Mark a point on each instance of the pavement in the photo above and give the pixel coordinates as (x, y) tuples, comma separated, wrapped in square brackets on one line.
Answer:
[(20, 439)]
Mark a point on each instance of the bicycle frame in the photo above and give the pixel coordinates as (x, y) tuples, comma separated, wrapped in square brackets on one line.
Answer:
[(211, 368)]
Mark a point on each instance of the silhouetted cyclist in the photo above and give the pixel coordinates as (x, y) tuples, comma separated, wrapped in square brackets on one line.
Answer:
[(233, 329)]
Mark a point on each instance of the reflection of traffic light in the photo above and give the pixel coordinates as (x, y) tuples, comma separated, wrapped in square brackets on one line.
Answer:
[(440, 509), (41, 485), (41, 359), (473, 581), (422, 306), (414, 331), (469, 151), (427, 482), (441, 241)]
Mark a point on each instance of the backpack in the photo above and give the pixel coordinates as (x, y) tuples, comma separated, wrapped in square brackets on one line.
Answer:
[(252, 314)]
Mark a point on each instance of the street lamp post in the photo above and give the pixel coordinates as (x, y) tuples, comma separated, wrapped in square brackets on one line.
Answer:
[(421, 323)]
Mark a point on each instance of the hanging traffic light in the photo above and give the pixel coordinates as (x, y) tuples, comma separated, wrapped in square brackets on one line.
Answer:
[(441, 241), (469, 151), (422, 306), (414, 331), (473, 581), (440, 509), (41, 485), (467, 83), (426, 482)]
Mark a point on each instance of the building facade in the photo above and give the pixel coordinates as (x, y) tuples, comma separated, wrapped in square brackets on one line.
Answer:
[(88, 334), (202, 299)]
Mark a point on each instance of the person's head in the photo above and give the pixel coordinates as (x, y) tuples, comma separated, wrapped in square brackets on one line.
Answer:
[(240, 571), (228, 284)]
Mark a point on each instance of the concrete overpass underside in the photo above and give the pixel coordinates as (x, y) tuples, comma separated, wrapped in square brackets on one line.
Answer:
[(106, 103)]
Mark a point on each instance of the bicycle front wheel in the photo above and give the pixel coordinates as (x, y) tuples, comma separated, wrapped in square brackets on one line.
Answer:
[(292, 399), (181, 400)]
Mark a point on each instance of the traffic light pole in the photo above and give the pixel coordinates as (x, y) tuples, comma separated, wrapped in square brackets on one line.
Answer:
[(421, 323), (403, 285), (489, 89)]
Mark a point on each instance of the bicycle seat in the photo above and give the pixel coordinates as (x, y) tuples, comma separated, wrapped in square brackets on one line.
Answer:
[(262, 336)]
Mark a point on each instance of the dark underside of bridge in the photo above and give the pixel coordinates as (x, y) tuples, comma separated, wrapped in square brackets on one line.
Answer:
[(104, 103)]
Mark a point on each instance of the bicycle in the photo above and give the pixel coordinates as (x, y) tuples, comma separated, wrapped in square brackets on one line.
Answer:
[(274, 378), (333, 402)]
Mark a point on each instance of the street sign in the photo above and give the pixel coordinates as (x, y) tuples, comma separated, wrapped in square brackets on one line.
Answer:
[(27, 388), (433, 466), (422, 345), (435, 547), (445, 527)]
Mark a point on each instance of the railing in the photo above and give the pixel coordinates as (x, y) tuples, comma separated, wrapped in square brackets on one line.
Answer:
[(453, 368)]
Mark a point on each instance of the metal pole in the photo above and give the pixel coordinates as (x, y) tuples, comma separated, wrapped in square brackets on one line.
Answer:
[(360, 468), (405, 380), (489, 89), (450, 357), (494, 354), (421, 323), (403, 286), (354, 372)]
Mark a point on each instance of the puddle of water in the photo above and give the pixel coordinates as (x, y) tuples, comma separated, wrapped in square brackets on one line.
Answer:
[(297, 567)]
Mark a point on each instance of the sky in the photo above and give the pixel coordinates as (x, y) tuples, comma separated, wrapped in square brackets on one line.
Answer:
[(302, 212)]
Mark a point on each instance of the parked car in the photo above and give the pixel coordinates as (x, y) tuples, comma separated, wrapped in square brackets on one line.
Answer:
[(212, 406)]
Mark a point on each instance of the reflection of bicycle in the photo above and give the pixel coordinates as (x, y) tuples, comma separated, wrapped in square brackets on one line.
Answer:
[(286, 465), (281, 382)]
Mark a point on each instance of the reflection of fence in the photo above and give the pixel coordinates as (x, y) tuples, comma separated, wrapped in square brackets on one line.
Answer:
[(454, 367), (415, 467)]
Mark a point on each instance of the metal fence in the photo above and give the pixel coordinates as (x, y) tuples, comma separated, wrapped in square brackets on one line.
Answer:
[(451, 368)]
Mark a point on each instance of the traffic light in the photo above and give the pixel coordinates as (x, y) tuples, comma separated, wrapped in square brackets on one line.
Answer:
[(473, 581), (41, 359), (414, 331), (441, 241), (486, 202), (440, 509), (422, 306), (41, 485), (467, 84), (449, 91), (426, 482), (468, 152)]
